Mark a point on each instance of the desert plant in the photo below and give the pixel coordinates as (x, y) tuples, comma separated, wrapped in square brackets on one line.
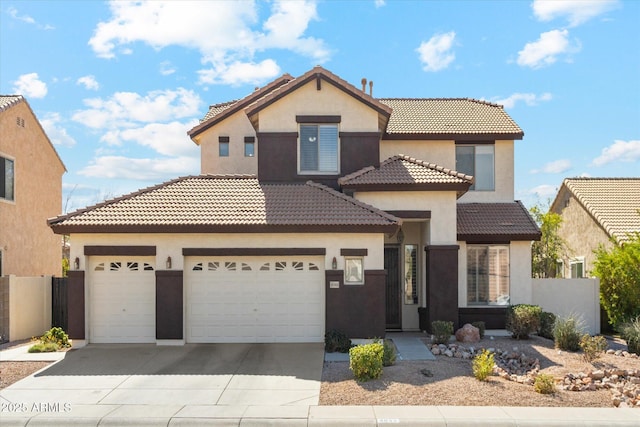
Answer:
[(592, 347), (630, 332), (56, 335), (442, 331), (544, 384), (44, 347), (545, 329), (336, 341), (481, 327), (522, 320), (567, 331), (365, 361), (483, 365), (389, 354)]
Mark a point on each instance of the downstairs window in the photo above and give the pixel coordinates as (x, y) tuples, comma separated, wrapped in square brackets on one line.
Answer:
[(487, 275)]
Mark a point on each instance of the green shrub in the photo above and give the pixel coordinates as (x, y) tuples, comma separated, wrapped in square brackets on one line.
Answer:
[(366, 361), (481, 326), (630, 332), (389, 354), (592, 347), (442, 331), (43, 347), (483, 365), (56, 335), (336, 341), (544, 384), (523, 320), (546, 325), (567, 332)]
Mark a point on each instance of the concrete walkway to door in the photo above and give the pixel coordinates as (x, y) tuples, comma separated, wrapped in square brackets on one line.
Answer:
[(118, 382)]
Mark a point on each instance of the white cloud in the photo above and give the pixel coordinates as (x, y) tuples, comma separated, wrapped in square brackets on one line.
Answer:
[(227, 34), (169, 139), (13, 12), (89, 82), (56, 133), (30, 86), (546, 49), (125, 109), (576, 11), (435, 54), (544, 190), (158, 169), (531, 99), (619, 151), (239, 73), (379, 3), (166, 68), (557, 166)]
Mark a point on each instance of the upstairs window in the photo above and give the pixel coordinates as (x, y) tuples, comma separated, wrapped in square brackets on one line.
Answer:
[(577, 268), (249, 146), (478, 161), (7, 179), (318, 152), (223, 146)]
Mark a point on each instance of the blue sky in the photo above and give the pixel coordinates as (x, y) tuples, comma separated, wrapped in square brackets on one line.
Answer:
[(116, 85)]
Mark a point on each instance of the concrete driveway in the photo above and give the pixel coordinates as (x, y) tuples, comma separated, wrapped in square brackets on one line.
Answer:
[(195, 380)]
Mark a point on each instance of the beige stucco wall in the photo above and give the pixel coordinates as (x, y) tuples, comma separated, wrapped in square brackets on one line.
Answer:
[(441, 153), (306, 100), (29, 247), (236, 127), (442, 205), (172, 244), (29, 306), (565, 297), (519, 273), (581, 234)]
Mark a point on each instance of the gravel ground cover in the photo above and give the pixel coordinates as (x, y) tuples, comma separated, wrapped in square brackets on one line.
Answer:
[(449, 381)]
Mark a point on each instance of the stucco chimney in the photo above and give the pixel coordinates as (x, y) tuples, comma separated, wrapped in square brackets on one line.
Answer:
[(364, 84), (371, 88)]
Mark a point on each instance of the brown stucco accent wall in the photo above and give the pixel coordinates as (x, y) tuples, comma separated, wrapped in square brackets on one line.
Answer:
[(75, 305), (169, 303), (29, 246), (493, 318), (356, 310), (442, 283)]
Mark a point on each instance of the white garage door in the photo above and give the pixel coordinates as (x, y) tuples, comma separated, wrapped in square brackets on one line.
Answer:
[(122, 297), (255, 299)]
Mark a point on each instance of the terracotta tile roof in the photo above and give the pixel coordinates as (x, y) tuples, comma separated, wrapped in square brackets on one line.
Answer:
[(499, 222), (231, 203), (614, 203), (404, 170), (8, 101), (216, 109), (449, 116)]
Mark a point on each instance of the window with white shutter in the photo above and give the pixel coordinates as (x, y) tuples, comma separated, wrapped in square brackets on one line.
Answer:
[(487, 275)]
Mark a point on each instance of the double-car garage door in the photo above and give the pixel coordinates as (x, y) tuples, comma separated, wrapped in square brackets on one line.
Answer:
[(227, 299)]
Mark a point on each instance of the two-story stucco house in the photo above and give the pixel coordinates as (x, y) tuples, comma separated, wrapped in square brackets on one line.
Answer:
[(595, 212), (30, 193), (319, 207)]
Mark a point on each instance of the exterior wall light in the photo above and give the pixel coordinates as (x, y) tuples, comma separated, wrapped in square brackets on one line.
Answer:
[(334, 264), (168, 263), (400, 236), (76, 264)]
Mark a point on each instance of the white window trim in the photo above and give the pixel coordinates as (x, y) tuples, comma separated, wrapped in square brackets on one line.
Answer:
[(574, 261), (475, 168), (346, 278), (301, 172), (13, 159)]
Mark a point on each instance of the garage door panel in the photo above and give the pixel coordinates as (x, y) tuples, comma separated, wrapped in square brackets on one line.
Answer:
[(122, 300), (253, 299)]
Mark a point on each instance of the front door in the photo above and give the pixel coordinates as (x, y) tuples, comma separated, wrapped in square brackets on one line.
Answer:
[(391, 264)]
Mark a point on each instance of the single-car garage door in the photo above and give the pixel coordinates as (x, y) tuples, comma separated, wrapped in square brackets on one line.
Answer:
[(255, 299), (122, 300)]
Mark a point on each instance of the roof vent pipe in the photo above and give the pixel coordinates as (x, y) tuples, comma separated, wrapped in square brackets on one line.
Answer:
[(371, 88), (364, 84)]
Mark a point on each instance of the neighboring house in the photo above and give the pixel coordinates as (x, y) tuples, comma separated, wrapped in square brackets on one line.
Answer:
[(308, 218), (30, 193), (594, 211)]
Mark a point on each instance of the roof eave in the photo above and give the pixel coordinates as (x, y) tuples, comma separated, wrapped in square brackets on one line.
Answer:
[(497, 237), (464, 187)]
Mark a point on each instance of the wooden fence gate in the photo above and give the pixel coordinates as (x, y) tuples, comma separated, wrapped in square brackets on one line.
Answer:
[(59, 302)]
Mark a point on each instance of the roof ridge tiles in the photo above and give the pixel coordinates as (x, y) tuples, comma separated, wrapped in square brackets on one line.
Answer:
[(356, 174), (434, 166), (355, 201), (480, 101), (10, 103)]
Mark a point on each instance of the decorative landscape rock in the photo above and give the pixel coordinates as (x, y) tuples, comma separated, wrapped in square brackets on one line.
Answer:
[(468, 333)]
